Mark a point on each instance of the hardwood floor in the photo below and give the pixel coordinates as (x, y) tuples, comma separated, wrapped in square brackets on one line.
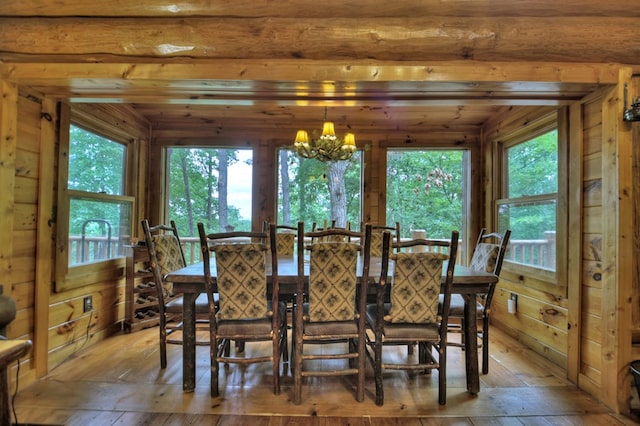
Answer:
[(119, 381)]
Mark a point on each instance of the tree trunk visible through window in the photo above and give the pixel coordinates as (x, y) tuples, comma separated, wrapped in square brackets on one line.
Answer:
[(284, 179), (337, 191), (223, 177), (187, 191)]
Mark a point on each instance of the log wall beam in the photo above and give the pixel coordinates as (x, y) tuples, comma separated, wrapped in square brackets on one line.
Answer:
[(572, 39), (311, 8), (89, 75)]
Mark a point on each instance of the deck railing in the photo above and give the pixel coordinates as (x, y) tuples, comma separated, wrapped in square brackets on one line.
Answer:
[(540, 253), (530, 252), (84, 249)]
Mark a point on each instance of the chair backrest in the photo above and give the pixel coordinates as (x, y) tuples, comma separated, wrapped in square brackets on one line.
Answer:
[(489, 251), (488, 256), (417, 280), (285, 238), (165, 254), (333, 280), (241, 272), (333, 237), (376, 237)]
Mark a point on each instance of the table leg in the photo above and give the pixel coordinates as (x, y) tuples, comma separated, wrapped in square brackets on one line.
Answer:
[(470, 329), (189, 342)]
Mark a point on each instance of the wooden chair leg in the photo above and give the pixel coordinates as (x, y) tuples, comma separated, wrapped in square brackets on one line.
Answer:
[(284, 349), (422, 352), (214, 367), (442, 374), (377, 367), (485, 345), (361, 369), (163, 346), (276, 364), (297, 372), (353, 348)]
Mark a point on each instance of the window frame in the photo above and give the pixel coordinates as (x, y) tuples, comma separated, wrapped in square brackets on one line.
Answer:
[(278, 196), (552, 281), (167, 152), (466, 187), (67, 276)]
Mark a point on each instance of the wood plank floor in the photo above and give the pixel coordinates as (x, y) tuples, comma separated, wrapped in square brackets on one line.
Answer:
[(119, 381)]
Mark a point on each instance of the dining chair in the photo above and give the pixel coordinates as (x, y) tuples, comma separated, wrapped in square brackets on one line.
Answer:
[(247, 311), (334, 237), (334, 310), (488, 256), (376, 237), (409, 310), (166, 255), (285, 238)]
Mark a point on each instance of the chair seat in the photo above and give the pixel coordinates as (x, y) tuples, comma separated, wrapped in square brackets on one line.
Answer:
[(250, 327), (202, 304), (456, 309), (318, 329), (403, 331), (335, 328)]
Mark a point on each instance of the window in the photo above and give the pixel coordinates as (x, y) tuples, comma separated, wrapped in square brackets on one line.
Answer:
[(209, 185), (426, 191), (532, 188), (95, 212), (313, 191), (99, 216)]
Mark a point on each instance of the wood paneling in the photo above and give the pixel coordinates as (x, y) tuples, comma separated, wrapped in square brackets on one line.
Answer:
[(542, 317), (591, 327), (8, 136), (590, 340), (591, 273), (592, 193), (592, 222), (592, 166)]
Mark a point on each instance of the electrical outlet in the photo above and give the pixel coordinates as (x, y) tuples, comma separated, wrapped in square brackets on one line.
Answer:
[(88, 303), (512, 303)]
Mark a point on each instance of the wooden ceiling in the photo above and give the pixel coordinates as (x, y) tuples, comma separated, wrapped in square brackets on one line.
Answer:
[(395, 109), (393, 69)]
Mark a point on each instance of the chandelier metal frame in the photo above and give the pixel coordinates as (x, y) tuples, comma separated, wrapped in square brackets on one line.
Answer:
[(327, 147)]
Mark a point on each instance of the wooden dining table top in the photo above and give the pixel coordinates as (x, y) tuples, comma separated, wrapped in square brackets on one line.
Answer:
[(191, 278)]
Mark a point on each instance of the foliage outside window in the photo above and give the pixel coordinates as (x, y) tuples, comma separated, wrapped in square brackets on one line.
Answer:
[(532, 187), (313, 191), (209, 185), (99, 211), (425, 191)]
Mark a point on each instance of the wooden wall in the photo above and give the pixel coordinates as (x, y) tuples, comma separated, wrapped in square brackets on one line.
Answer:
[(57, 318), (576, 329), (23, 235), (541, 320), (69, 327)]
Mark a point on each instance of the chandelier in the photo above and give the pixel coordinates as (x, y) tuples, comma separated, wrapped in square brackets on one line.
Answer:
[(328, 147)]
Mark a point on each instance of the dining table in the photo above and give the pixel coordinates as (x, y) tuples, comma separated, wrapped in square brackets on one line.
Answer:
[(466, 281)]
